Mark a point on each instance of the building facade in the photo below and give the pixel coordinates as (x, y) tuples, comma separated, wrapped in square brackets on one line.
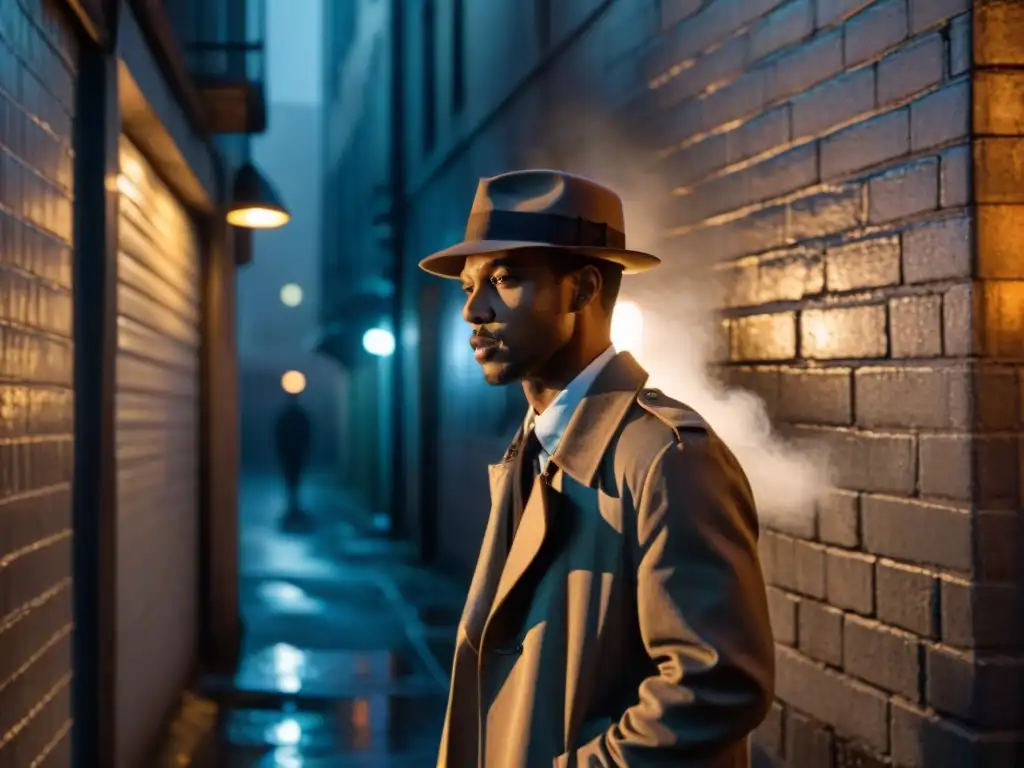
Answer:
[(117, 527), (849, 173)]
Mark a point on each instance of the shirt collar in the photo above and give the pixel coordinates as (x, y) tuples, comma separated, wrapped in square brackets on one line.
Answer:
[(551, 425)]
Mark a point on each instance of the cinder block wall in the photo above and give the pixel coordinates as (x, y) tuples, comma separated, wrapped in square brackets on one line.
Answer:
[(823, 152), (37, 76)]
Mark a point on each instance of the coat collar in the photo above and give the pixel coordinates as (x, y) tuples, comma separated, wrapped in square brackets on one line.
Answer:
[(597, 419)]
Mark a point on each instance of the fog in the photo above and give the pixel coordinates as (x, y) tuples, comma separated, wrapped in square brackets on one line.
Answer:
[(680, 342)]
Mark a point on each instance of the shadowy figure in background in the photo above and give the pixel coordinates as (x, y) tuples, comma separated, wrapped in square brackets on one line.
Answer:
[(293, 437)]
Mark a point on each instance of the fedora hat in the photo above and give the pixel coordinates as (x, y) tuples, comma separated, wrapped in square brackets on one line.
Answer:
[(546, 210)]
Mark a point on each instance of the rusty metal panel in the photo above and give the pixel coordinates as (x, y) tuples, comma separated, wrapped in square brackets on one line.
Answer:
[(157, 447), (38, 60)]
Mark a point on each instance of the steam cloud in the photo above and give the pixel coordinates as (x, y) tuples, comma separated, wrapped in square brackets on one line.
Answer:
[(679, 303)]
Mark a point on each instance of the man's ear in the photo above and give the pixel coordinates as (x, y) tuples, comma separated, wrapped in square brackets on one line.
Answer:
[(588, 287)]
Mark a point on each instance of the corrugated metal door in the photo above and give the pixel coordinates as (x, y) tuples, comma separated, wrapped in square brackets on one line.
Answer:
[(157, 448)]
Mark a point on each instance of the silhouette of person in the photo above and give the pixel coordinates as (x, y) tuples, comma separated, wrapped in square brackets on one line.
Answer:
[(293, 437)]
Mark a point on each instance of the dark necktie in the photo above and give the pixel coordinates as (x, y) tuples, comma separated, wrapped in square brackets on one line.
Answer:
[(525, 468)]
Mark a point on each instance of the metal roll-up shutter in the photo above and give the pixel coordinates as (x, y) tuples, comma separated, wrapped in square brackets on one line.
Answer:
[(158, 301)]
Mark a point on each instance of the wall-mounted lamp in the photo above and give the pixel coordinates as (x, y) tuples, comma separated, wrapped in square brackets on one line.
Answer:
[(379, 342), (254, 203), (293, 382)]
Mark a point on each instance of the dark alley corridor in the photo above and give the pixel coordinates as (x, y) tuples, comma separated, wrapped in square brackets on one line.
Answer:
[(346, 646)]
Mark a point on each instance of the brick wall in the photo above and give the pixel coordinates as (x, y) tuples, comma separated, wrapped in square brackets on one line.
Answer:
[(822, 152), (822, 149), (37, 75)]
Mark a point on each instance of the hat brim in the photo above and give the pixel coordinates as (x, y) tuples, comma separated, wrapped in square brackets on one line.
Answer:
[(449, 262)]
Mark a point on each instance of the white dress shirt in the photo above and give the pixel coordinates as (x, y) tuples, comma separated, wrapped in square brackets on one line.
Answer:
[(551, 425)]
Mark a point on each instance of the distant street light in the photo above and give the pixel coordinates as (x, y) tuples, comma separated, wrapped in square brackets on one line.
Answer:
[(291, 294), (379, 342), (293, 382)]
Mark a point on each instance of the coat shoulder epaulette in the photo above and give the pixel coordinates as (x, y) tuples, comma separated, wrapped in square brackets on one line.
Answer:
[(677, 416)]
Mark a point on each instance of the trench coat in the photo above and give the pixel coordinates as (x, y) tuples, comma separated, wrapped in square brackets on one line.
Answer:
[(628, 623)]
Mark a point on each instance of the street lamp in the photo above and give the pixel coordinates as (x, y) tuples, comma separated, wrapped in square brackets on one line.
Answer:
[(291, 294), (254, 203), (293, 382), (379, 342)]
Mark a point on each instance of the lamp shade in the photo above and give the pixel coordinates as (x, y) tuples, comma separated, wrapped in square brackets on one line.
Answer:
[(254, 202)]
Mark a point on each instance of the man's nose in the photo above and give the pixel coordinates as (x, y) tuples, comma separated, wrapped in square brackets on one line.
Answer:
[(477, 310)]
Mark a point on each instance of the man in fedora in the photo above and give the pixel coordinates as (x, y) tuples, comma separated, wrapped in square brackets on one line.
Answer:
[(617, 615)]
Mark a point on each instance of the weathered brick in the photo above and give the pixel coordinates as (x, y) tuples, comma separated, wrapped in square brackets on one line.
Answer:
[(764, 337), (921, 739), (915, 326), (914, 67), (850, 579), (937, 251), (955, 177), (904, 191), (790, 275), (882, 138), (833, 103), (941, 117), (696, 162), (906, 597), (999, 169), (913, 397), (1002, 324), (1000, 28), (714, 66), (917, 531), (816, 396), (997, 475), (806, 66), (829, 12), (868, 263), (786, 25), (763, 382), (849, 332), (997, 405), (876, 463), (759, 135), (997, 534), (874, 30), (959, 331), (999, 102), (1000, 234), (808, 744), (674, 11), (945, 466), (983, 690), (928, 13), (741, 98), (768, 545), (886, 657), (800, 566), (830, 212), (782, 610), (980, 616), (852, 708), (821, 632), (769, 734), (839, 518), (756, 233), (960, 45)]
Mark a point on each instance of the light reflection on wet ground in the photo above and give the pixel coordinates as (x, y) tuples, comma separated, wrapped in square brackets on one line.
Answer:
[(347, 645)]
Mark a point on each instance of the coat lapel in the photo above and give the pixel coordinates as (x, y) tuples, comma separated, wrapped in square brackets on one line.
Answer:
[(492, 552)]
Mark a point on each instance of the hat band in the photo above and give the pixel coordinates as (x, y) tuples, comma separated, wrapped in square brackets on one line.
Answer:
[(548, 228)]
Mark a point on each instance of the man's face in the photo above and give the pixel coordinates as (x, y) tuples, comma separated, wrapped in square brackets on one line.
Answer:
[(519, 312)]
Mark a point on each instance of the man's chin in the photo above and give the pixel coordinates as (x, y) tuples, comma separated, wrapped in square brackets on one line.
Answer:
[(500, 374)]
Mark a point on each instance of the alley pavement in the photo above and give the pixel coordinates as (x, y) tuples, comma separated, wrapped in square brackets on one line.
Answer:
[(347, 642)]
